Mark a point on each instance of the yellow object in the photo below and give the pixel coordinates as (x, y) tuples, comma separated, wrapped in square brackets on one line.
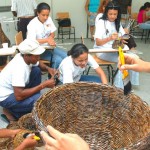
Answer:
[(121, 56), (37, 138)]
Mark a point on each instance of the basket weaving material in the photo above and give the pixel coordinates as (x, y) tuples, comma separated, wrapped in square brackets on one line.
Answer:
[(99, 113), (18, 139), (13, 125), (142, 144), (9, 145), (27, 122), (3, 142)]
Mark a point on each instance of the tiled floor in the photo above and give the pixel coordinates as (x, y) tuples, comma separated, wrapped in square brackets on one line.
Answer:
[(142, 90)]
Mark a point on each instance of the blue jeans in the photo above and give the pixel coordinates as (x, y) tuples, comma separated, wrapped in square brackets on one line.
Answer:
[(90, 78), (55, 57), (20, 108), (145, 25)]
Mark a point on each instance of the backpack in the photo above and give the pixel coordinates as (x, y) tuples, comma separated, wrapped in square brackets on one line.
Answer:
[(66, 22)]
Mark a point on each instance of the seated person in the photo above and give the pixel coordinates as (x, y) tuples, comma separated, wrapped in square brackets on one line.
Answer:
[(109, 29), (143, 18), (72, 67), (28, 142), (42, 29), (20, 80), (129, 42)]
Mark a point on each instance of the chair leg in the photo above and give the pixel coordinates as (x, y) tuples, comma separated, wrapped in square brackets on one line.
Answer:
[(108, 69), (74, 35), (69, 33), (58, 33), (142, 35), (114, 72), (62, 36)]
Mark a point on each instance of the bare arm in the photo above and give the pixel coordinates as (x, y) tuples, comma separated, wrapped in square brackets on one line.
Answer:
[(50, 40), (102, 75), (22, 93), (100, 42), (27, 143), (129, 10), (87, 7), (8, 133)]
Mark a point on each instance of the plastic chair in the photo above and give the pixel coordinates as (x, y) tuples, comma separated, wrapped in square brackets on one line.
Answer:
[(18, 38), (66, 28)]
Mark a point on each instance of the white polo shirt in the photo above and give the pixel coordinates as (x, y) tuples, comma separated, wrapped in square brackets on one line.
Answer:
[(100, 32), (69, 72), (16, 73), (24, 7), (39, 30)]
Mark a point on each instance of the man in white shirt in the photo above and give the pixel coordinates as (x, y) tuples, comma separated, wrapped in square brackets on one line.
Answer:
[(25, 11), (20, 80)]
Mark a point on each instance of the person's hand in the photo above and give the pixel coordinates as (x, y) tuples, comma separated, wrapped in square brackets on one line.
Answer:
[(9, 133), (61, 141), (114, 36), (50, 83), (14, 132), (132, 62), (51, 71), (126, 30), (28, 142), (51, 41)]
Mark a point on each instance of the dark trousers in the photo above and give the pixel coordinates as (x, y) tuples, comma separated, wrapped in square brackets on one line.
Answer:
[(22, 25)]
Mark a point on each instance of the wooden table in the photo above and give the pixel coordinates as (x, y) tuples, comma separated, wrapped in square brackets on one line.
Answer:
[(7, 51), (107, 50)]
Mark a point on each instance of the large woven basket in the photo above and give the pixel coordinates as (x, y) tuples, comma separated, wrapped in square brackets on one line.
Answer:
[(100, 114)]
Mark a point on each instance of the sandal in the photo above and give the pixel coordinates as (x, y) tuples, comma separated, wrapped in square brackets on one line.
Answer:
[(4, 118)]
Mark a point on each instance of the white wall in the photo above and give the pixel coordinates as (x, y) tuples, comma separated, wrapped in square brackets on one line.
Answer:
[(76, 11), (136, 4)]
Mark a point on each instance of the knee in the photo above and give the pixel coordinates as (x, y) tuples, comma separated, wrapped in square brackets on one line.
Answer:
[(60, 52), (56, 61)]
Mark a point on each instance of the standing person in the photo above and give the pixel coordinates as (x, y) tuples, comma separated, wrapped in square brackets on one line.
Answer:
[(42, 29), (108, 29), (143, 18), (125, 7), (91, 8), (72, 67), (20, 80), (100, 11), (25, 11)]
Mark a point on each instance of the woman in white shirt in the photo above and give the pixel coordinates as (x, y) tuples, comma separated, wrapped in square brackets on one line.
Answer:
[(108, 29), (72, 67), (42, 29)]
